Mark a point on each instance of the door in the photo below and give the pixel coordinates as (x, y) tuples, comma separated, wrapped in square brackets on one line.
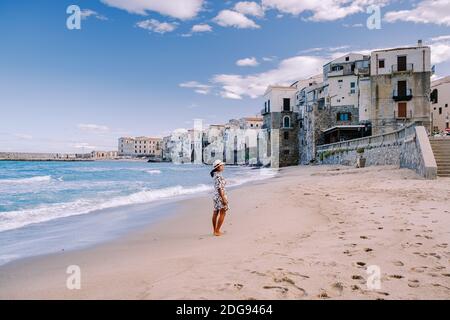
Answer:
[(401, 63), (401, 88), (401, 110)]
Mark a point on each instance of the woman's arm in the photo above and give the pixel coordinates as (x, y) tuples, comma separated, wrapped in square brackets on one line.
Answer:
[(223, 197)]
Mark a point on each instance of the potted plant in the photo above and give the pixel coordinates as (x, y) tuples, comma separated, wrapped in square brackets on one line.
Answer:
[(360, 160)]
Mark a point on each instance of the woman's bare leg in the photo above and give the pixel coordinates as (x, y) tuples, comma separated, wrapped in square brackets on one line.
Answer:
[(220, 222), (214, 220)]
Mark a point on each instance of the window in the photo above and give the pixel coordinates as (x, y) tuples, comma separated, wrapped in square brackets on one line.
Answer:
[(347, 58), (381, 64), (434, 96), (440, 110), (286, 152), (286, 122), (446, 105), (344, 116), (352, 87), (286, 104), (213, 154), (401, 110), (286, 135)]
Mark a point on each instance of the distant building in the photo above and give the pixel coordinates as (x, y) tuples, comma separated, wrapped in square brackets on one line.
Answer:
[(140, 147), (440, 100), (281, 124), (400, 87), (165, 149), (104, 155), (213, 143)]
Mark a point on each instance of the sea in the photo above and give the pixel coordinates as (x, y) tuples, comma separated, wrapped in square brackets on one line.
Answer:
[(47, 207)]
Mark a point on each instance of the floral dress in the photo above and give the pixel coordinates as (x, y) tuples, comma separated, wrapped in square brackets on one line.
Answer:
[(219, 183)]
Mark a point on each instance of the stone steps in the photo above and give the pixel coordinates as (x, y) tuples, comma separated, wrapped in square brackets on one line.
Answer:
[(441, 151)]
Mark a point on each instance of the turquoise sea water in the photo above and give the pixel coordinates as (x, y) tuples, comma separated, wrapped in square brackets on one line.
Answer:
[(43, 202)]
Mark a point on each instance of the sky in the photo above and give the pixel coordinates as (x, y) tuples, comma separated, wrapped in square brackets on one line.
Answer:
[(147, 67)]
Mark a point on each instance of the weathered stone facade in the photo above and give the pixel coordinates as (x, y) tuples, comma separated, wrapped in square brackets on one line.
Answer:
[(408, 147), (384, 111), (283, 140)]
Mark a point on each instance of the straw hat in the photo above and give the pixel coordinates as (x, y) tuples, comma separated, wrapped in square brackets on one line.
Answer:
[(217, 163)]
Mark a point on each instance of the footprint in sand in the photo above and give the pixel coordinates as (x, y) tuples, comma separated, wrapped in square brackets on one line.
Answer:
[(398, 263), (258, 273), (418, 269), (238, 286), (360, 264), (413, 283), (323, 295), (280, 289), (337, 287), (396, 276), (356, 277)]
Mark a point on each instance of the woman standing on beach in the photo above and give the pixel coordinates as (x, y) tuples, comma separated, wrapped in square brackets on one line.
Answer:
[(219, 197)]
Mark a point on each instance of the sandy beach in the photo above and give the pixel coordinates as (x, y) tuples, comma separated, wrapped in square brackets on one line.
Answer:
[(309, 233)]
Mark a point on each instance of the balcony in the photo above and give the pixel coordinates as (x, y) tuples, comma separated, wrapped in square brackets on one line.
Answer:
[(396, 68), (402, 96), (264, 111)]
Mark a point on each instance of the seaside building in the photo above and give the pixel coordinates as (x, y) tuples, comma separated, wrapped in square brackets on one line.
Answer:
[(165, 149), (400, 87), (213, 143), (440, 100), (140, 147), (104, 155), (281, 125)]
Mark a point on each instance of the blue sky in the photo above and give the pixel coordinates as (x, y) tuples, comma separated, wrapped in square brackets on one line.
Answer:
[(146, 67)]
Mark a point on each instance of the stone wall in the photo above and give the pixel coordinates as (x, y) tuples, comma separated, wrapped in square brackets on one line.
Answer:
[(408, 147)]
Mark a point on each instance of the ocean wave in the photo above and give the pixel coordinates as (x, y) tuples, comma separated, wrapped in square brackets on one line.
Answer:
[(153, 171), (17, 219), (26, 180)]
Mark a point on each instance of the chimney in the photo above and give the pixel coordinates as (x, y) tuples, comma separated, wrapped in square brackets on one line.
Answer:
[(419, 43)]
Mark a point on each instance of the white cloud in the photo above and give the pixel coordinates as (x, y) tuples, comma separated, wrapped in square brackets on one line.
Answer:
[(157, 26), (201, 28), (23, 136), (426, 11), (269, 59), (86, 13), (198, 87), (83, 145), (440, 49), (247, 62), (180, 9), (93, 128), (249, 8), (236, 86), (229, 18), (321, 10)]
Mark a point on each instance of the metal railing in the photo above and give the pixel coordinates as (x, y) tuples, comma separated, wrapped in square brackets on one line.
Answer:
[(403, 68)]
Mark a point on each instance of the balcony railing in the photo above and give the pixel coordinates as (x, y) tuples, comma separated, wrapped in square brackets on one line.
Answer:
[(264, 111), (409, 67), (402, 96)]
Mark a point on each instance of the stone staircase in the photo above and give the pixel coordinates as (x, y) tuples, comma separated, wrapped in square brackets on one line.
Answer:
[(441, 150)]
